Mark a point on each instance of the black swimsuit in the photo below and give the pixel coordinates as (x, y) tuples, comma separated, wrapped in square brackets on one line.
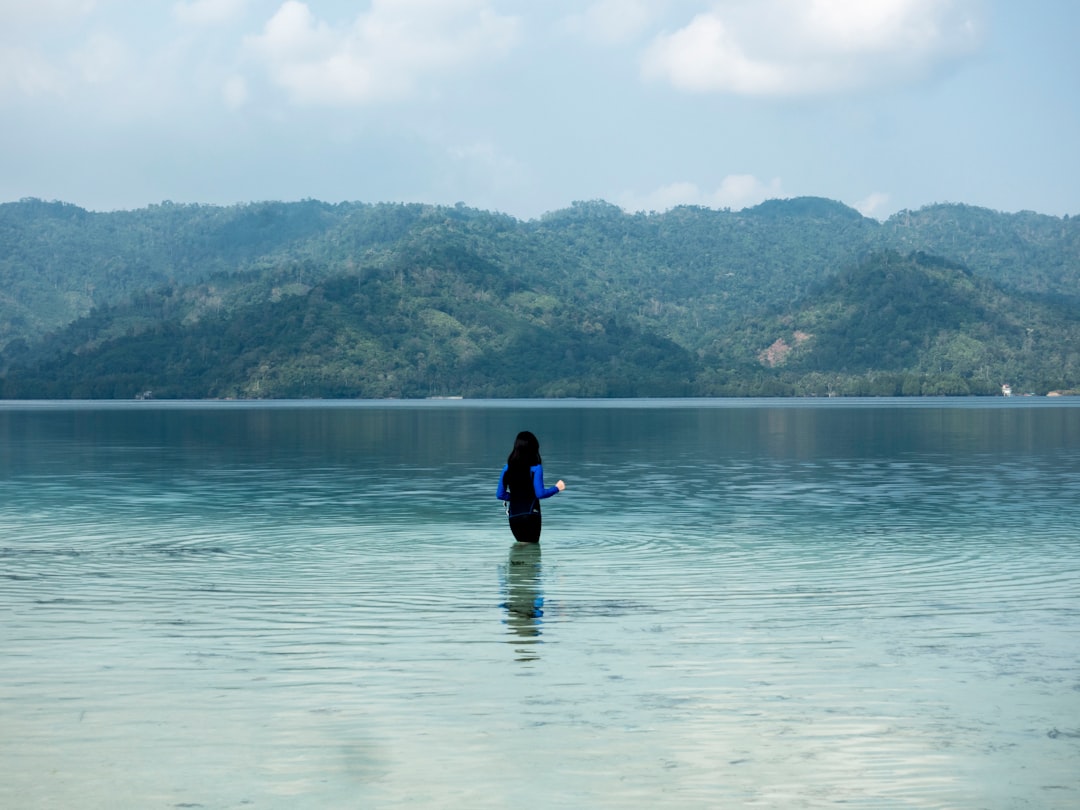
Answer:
[(525, 514), (525, 523)]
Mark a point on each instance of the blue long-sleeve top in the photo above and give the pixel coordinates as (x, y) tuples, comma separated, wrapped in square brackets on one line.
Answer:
[(539, 490)]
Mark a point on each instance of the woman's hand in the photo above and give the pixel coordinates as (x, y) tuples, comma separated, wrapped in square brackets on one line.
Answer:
[(560, 485)]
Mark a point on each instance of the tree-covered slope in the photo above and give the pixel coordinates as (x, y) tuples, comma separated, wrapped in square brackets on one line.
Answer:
[(913, 325), (447, 326), (59, 261), (1024, 251), (311, 299)]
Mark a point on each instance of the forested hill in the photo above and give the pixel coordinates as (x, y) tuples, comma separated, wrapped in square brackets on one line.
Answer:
[(312, 299), (915, 325)]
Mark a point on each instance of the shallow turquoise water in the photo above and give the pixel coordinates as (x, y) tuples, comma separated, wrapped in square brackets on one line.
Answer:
[(759, 604)]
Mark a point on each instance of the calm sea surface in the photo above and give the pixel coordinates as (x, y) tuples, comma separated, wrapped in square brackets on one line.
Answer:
[(735, 604)]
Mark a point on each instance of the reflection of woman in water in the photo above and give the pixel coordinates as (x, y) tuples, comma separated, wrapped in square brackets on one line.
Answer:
[(524, 596), (521, 485)]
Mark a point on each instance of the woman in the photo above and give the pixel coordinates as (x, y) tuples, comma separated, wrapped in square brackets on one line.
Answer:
[(521, 485)]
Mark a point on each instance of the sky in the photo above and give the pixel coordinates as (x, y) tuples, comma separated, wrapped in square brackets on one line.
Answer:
[(526, 106)]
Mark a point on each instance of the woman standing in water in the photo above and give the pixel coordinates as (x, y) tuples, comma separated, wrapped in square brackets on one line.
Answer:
[(521, 485)]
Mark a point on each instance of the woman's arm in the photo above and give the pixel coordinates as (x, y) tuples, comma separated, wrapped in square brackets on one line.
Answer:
[(501, 493), (538, 484)]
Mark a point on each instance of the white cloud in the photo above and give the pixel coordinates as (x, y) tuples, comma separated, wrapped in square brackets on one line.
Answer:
[(102, 58), (483, 167), (235, 92), (384, 54), (736, 191), (27, 66), (812, 47), (98, 59), (18, 16), (872, 204), (612, 22), (29, 73), (209, 12), (482, 154)]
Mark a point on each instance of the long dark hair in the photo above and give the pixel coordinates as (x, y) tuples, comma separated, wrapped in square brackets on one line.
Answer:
[(524, 456)]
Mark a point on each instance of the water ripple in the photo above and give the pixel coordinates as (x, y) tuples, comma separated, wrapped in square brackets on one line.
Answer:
[(699, 628)]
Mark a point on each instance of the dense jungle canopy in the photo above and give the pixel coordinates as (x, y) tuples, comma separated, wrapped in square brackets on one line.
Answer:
[(310, 299)]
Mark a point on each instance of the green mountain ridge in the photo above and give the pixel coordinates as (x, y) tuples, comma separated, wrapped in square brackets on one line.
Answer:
[(354, 300), (896, 325)]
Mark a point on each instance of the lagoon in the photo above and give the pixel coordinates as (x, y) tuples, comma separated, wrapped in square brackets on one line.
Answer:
[(736, 603)]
